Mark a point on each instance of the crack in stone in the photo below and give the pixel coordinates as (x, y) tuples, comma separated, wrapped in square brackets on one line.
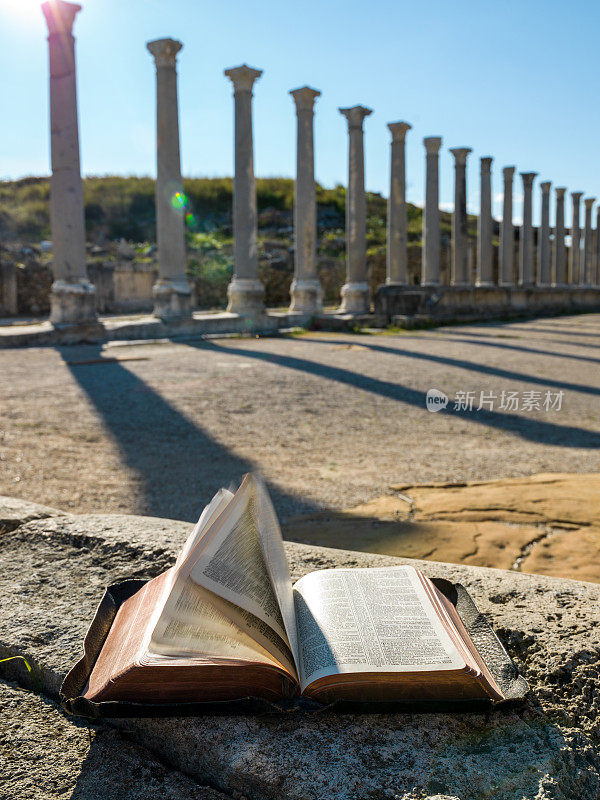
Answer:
[(528, 547)]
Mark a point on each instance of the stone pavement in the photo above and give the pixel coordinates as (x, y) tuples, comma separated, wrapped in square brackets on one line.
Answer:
[(331, 420)]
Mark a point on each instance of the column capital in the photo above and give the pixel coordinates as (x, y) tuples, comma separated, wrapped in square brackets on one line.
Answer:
[(589, 202), (560, 191), (60, 16), (432, 144), (460, 155), (577, 196), (508, 173), (164, 51), (528, 178), (355, 115), (242, 77), (545, 187), (399, 130), (486, 163), (305, 97)]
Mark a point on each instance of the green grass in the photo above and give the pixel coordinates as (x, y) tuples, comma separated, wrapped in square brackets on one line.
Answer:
[(121, 206)]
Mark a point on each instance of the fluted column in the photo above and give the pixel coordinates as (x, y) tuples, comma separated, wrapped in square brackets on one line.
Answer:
[(460, 275), (245, 292), (172, 296), (587, 277), (73, 297), (355, 292), (526, 241), (543, 262), (430, 271), (397, 262), (559, 261), (507, 232), (306, 294), (575, 254), (484, 226)]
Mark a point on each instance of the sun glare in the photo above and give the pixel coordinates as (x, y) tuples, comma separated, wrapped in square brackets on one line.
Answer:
[(21, 10)]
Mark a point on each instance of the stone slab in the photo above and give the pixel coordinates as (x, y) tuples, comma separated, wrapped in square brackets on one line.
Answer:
[(45, 755), (14, 512), (444, 304), (52, 572), (547, 523)]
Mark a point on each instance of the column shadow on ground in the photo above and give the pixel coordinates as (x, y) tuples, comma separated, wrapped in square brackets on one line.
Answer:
[(471, 366), (529, 428), (456, 337), (179, 464)]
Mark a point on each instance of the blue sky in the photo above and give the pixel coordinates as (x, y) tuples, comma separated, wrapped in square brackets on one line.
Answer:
[(514, 80)]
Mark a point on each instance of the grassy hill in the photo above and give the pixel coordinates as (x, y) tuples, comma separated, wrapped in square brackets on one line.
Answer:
[(117, 206)]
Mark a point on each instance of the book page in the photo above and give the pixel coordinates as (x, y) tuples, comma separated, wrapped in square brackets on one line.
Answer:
[(194, 621), (369, 620), (242, 560), (210, 513)]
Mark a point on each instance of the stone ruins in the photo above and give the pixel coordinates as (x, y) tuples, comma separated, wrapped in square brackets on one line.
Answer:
[(551, 272)]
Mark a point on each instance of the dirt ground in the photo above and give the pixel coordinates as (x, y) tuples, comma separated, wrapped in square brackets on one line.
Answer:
[(331, 420)]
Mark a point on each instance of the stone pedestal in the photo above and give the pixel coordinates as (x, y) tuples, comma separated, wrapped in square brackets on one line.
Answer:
[(526, 242), (396, 259), (430, 270), (355, 292), (574, 277), (587, 278), (72, 300), (460, 275), (245, 292), (306, 293), (543, 263), (484, 226), (507, 232), (172, 295), (559, 260)]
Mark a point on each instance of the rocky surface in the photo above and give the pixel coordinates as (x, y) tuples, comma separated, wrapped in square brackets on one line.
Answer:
[(53, 570), (45, 755), (547, 524)]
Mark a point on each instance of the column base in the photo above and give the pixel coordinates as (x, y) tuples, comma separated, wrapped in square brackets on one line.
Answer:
[(246, 296), (484, 283), (306, 297), (355, 298), (73, 303), (393, 282), (461, 284), (172, 300)]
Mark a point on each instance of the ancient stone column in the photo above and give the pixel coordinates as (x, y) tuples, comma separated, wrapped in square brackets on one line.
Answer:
[(559, 262), (459, 271), (587, 276), (575, 253), (172, 296), (484, 226), (543, 262), (73, 297), (355, 292), (430, 270), (397, 260), (526, 241), (246, 292), (596, 277), (507, 232), (306, 294)]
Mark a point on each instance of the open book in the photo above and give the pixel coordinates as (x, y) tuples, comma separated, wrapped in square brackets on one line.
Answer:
[(225, 623)]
